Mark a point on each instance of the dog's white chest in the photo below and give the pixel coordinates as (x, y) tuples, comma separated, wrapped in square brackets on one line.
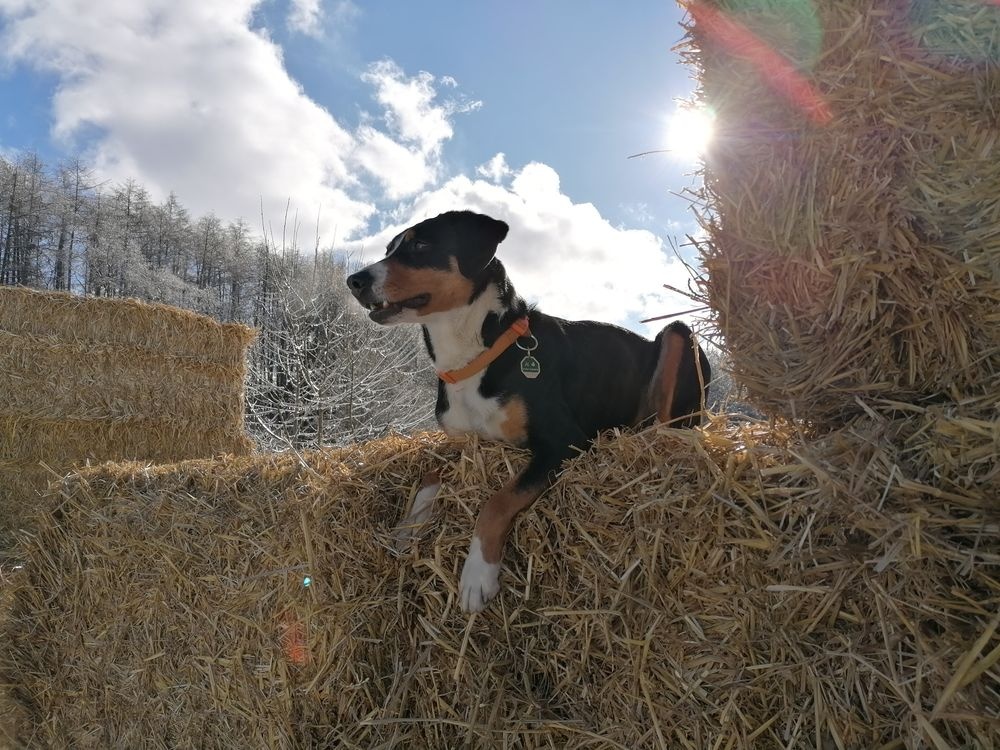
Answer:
[(469, 412)]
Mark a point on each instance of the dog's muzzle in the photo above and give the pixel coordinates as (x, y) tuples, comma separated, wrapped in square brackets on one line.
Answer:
[(380, 310)]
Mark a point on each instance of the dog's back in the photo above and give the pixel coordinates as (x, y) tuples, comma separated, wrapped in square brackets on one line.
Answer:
[(604, 375)]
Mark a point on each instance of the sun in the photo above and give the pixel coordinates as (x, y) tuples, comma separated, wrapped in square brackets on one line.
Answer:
[(689, 132)]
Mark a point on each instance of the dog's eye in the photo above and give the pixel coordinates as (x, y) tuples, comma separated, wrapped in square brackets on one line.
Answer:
[(421, 245)]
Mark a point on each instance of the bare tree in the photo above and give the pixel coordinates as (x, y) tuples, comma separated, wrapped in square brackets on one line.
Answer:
[(74, 183), (323, 374), (22, 235)]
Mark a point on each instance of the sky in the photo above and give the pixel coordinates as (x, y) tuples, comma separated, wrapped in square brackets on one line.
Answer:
[(369, 116)]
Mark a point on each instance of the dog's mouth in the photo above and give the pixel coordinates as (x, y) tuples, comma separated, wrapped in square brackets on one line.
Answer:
[(383, 310)]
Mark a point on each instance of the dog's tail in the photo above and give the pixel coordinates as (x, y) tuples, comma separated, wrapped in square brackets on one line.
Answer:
[(680, 383)]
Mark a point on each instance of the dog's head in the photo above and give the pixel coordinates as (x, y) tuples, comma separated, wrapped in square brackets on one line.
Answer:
[(429, 268)]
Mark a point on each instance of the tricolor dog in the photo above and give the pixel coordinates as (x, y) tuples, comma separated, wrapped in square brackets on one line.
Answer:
[(509, 372)]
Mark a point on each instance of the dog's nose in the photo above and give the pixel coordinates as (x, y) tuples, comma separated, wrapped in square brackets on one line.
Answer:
[(358, 282)]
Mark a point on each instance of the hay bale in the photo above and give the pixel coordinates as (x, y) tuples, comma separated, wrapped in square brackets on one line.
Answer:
[(856, 258), (738, 588), (126, 323), (95, 379), (159, 439), (12, 716), (20, 487), (6, 600), (116, 383)]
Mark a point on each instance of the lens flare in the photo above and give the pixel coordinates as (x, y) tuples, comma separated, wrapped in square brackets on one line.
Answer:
[(773, 67), (689, 132)]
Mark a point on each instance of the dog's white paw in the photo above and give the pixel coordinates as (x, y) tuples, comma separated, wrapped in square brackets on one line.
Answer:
[(480, 580), (405, 535)]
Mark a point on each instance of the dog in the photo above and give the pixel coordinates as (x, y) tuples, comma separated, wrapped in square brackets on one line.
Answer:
[(509, 372)]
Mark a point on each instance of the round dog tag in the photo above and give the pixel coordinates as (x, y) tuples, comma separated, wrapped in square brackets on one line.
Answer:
[(530, 367)]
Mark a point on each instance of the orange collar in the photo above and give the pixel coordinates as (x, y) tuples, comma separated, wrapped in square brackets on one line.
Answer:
[(517, 329)]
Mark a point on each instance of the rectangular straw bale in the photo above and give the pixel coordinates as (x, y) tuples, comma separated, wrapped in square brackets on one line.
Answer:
[(85, 380), (856, 259), (122, 322), (47, 379), (739, 588), (12, 715), (951, 450), (20, 486), (62, 443)]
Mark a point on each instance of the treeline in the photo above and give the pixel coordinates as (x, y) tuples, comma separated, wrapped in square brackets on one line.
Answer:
[(320, 372), (60, 228)]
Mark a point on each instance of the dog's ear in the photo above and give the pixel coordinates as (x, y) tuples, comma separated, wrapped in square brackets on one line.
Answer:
[(495, 228), (489, 233)]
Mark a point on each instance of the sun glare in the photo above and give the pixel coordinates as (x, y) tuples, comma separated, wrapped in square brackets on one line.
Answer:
[(689, 132)]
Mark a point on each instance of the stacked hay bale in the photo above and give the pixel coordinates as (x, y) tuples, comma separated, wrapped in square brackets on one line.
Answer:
[(87, 379), (738, 589), (853, 220)]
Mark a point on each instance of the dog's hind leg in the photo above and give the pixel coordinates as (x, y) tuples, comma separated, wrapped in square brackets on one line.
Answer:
[(679, 386), (405, 534)]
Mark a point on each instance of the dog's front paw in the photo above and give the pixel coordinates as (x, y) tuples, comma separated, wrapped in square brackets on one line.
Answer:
[(480, 579), (405, 536)]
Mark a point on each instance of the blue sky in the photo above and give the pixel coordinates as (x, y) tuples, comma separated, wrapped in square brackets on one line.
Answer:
[(577, 85), (378, 113)]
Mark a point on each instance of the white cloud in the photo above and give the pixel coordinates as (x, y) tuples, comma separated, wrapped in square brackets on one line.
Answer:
[(306, 17), (184, 96), (401, 171), (563, 255), (316, 18), (409, 158), (409, 107), (495, 169)]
